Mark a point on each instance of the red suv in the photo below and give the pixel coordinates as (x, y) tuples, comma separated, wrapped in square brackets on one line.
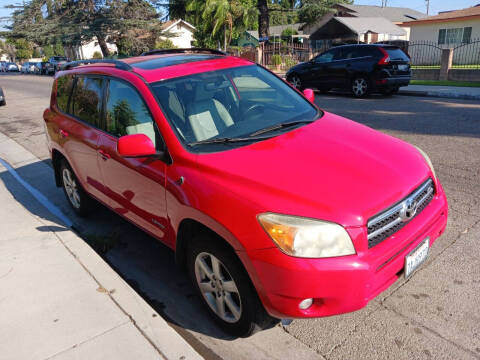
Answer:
[(276, 208)]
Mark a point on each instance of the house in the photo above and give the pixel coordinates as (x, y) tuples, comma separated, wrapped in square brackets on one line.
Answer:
[(87, 50), (447, 29), (181, 33), (250, 37), (361, 23)]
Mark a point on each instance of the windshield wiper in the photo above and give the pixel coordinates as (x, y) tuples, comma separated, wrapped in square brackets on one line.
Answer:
[(227, 140), (280, 126)]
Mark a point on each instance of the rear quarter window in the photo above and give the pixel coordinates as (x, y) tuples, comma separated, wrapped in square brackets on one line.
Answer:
[(396, 54), (64, 89)]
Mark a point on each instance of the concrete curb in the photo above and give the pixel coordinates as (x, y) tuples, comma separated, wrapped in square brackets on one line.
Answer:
[(438, 94), (146, 320)]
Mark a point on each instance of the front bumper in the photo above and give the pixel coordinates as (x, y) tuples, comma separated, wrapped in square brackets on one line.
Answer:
[(343, 284)]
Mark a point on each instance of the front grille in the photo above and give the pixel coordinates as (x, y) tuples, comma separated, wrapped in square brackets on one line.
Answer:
[(388, 222)]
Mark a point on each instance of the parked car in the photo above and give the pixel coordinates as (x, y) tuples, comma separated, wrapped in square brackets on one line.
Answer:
[(362, 69), (3, 101), (9, 67), (28, 68), (276, 208), (55, 63), (40, 68)]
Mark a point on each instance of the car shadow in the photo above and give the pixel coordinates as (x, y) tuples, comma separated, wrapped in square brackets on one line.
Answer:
[(142, 261)]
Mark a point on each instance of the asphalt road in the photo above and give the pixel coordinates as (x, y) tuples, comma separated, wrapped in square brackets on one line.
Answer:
[(435, 314)]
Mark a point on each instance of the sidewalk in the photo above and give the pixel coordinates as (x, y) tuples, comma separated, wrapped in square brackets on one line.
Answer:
[(58, 298), (451, 92)]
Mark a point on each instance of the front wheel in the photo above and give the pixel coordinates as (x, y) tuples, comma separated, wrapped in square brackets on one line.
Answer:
[(360, 86), (225, 288)]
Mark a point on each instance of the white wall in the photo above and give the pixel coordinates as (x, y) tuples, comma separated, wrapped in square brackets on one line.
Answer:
[(429, 31), (183, 36), (86, 51)]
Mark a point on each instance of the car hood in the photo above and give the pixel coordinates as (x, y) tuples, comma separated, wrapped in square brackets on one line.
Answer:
[(333, 169), (298, 67)]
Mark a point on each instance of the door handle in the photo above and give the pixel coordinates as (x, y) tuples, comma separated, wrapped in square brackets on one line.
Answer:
[(63, 133), (104, 155)]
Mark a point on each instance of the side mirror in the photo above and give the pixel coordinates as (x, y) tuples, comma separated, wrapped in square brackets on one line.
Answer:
[(310, 95), (136, 145)]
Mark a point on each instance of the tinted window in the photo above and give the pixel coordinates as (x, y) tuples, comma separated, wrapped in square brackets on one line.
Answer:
[(396, 54), (357, 52), (126, 112), (64, 89), (327, 56), (86, 103)]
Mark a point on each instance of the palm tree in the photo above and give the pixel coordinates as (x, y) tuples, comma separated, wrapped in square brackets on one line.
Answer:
[(227, 15)]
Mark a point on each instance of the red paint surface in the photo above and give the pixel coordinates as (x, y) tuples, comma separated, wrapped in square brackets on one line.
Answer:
[(333, 169)]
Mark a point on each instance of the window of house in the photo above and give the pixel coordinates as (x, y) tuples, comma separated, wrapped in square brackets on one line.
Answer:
[(454, 36)]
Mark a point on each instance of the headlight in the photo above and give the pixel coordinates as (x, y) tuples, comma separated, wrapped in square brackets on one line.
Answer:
[(427, 160), (302, 237)]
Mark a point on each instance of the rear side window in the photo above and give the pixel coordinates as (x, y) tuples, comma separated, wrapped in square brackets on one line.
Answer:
[(86, 103), (396, 54), (64, 89), (126, 112)]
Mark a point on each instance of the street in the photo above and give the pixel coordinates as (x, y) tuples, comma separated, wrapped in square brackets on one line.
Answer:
[(434, 314)]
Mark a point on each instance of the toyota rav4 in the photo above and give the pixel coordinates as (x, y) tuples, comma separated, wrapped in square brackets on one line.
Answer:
[(276, 209)]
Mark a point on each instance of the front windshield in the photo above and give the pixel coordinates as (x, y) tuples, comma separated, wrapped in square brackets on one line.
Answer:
[(232, 103)]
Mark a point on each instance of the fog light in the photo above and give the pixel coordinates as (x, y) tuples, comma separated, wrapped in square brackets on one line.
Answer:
[(305, 304)]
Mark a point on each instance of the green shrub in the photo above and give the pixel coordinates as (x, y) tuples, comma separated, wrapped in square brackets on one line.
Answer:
[(276, 60), (97, 55), (164, 44), (289, 61)]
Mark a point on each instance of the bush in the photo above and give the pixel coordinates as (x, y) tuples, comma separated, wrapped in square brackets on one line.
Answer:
[(97, 55), (165, 44), (289, 61), (289, 32), (276, 60)]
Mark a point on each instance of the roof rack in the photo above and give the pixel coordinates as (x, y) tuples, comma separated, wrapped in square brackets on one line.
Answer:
[(118, 64), (183, 51)]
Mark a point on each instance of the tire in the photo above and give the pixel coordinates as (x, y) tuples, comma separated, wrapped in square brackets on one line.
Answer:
[(295, 81), (360, 86), (78, 199), (3, 103), (243, 312)]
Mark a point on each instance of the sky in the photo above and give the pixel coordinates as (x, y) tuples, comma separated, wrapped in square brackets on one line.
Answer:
[(435, 5)]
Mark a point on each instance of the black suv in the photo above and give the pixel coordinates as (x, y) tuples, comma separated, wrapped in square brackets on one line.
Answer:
[(360, 68)]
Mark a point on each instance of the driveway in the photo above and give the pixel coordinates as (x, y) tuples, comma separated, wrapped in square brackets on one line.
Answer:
[(435, 314)]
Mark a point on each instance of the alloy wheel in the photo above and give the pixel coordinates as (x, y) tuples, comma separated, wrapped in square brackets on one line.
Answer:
[(71, 188), (359, 86), (296, 82), (218, 287)]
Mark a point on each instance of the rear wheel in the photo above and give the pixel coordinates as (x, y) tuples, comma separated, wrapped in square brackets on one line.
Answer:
[(225, 288), (295, 81), (360, 86), (76, 196)]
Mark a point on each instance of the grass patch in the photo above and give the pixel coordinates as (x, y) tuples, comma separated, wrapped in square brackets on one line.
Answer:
[(445, 83), (437, 67)]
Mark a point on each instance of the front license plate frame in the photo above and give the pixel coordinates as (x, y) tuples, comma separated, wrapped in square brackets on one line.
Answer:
[(416, 257)]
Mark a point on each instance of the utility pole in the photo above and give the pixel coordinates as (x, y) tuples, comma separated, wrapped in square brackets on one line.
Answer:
[(428, 6)]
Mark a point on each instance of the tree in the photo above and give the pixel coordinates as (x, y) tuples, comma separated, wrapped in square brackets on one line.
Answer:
[(263, 18), (23, 48), (220, 20), (311, 10)]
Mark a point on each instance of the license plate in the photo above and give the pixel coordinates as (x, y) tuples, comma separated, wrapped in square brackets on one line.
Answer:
[(416, 257), (403, 67)]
